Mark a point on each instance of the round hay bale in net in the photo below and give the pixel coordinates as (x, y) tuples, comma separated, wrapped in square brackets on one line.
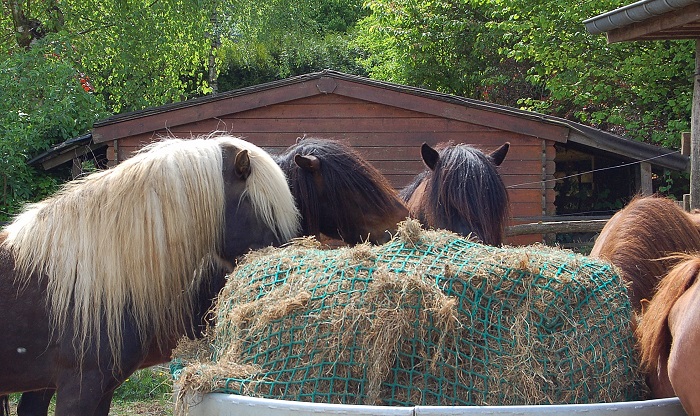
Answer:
[(427, 319)]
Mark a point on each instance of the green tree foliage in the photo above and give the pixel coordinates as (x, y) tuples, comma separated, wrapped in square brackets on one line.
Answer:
[(250, 63), (446, 45), (143, 53), (536, 55), (278, 39), (639, 89), (43, 100)]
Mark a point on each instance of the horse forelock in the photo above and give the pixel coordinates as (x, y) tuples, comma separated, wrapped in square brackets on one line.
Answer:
[(269, 191), (128, 237), (465, 185)]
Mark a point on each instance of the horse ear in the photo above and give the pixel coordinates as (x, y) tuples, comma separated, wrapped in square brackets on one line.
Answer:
[(430, 156), (242, 164), (645, 305), (499, 154), (308, 162)]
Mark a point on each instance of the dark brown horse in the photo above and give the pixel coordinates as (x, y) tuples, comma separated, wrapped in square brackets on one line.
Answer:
[(339, 194), (641, 239), (669, 335), (461, 191), (105, 276)]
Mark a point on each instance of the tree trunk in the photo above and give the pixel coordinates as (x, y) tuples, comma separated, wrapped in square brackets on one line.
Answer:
[(215, 43), (26, 30)]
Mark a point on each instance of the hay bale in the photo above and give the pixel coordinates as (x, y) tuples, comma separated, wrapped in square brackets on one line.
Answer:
[(427, 319)]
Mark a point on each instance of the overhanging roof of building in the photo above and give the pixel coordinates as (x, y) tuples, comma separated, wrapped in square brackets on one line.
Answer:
[(65, 152), (649, 20), (412, 98)]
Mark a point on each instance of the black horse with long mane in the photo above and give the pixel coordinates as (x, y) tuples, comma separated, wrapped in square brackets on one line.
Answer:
[(339, 194), (461, 191), (106, 275)]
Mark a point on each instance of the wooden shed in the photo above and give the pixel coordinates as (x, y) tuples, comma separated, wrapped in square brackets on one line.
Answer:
[(387, 123)]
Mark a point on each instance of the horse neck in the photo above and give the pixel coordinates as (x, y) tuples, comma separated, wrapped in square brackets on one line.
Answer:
[(411, 189), (212, 280), (416, 203), (654, 331)]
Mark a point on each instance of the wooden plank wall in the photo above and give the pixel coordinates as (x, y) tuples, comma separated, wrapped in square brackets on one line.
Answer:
[(389, 138)]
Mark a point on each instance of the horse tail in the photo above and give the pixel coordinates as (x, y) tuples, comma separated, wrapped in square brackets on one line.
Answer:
[(653, 332), (5, 405)]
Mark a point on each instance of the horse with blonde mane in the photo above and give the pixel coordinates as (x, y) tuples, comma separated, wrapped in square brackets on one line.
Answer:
[(461, 191), (669, 335), (105, 276), (642, 239)]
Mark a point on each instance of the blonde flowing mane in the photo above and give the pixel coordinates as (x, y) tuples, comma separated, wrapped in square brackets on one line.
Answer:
[(134, 235)]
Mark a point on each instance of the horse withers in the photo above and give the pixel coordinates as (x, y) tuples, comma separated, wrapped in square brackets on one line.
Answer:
[(106, 275), (641, 240), (339, 194), (461, 191)]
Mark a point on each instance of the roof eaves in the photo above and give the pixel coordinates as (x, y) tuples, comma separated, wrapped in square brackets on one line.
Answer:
[(62, 147), (631, 149), (205, 99), (633, 13)]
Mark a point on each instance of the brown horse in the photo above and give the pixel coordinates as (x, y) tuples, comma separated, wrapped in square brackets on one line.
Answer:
[(105, 276), (641, 239), (339, 194), (461, 191), (669, 335)]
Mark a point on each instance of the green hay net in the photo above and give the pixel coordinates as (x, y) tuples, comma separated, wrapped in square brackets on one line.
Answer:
[(427, 319)]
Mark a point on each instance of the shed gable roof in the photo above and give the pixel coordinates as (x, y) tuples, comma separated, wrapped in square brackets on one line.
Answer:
[(385, 93), (332, 82), (649, 20)]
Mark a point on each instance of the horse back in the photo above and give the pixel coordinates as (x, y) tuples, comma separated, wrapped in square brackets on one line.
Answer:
[(641, 241)]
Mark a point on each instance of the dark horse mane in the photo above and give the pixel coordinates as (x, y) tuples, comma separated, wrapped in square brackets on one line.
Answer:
[(463, 185), (343, 171)]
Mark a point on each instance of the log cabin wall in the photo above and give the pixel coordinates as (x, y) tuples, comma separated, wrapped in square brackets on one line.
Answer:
[(386, 123)]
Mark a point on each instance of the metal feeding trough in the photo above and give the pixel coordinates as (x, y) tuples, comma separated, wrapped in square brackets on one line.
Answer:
[(221, 404)]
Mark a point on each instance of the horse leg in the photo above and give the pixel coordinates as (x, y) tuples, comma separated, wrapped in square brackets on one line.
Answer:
[(683, 362), (104, 405), (4, 405), (35, 403), (79, 396)]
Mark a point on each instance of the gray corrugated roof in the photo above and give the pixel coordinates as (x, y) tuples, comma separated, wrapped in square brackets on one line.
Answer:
[(633, 13)]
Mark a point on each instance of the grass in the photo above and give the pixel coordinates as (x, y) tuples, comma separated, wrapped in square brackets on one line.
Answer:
[(147, 392)]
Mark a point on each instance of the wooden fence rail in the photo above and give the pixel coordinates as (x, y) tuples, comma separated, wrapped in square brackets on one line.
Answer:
[(547, 227)]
